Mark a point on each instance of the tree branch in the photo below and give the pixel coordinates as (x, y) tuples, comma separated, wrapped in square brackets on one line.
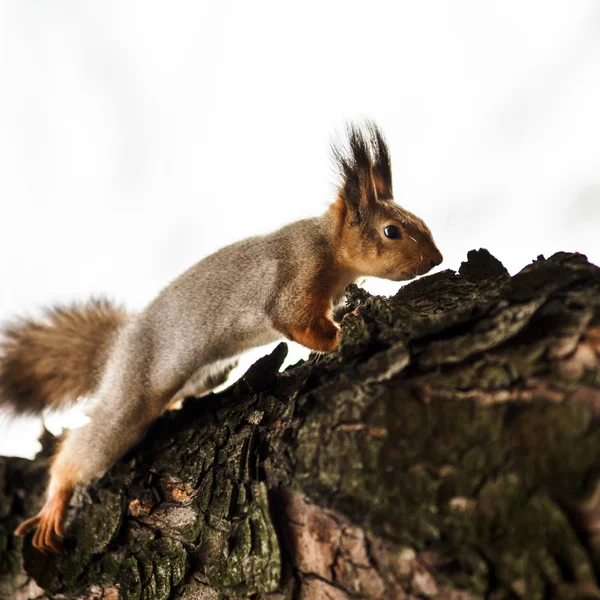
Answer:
[(448, 449)]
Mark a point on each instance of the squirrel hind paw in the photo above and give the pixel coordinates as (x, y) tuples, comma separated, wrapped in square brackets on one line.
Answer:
[(46, 538), (49, 527)]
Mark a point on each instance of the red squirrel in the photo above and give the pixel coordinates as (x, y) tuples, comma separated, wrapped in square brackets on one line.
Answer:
[(281, 285)]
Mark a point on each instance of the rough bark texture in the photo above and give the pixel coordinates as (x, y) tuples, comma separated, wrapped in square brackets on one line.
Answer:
[(450, 448)]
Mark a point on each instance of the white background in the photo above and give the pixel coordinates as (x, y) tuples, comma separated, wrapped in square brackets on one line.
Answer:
[(137, 137)]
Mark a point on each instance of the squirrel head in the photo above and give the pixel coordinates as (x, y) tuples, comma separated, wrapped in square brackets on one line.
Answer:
[(376, 236)]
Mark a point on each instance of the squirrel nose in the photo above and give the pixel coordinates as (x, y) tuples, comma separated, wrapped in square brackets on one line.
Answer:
[(436, 260)]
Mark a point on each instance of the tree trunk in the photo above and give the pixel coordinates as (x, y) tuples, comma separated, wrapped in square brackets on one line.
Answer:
[(450, 448)]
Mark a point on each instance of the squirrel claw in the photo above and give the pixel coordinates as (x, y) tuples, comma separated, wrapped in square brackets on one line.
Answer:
[(27, 526), (49, 526)]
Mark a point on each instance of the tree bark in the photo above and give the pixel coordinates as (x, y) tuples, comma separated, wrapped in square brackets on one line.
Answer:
[(449, 448)]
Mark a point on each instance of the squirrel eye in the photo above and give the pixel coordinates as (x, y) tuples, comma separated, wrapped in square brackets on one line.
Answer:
[(392, 232)]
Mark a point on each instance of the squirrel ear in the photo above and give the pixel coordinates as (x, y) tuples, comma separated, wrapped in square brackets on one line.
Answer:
[(357, 188), (382, 164)]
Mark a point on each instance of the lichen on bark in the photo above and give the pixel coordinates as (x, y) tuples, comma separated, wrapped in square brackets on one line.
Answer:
[(448, 449)]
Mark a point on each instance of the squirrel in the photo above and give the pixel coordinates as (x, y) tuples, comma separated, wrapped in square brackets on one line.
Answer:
[(185, 342)]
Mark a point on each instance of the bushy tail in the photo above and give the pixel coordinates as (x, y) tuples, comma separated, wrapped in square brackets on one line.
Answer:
[(52, 361)]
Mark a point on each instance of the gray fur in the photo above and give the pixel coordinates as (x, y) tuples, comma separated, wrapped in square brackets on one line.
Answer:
[(195, 328)]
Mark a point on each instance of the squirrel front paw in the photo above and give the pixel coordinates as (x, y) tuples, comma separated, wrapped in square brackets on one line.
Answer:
[(320, 336)]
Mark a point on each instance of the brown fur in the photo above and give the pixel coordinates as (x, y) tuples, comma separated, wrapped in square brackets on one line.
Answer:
[(316, 330), (52, 361), (49, 522), (365, 207), (321, 335)]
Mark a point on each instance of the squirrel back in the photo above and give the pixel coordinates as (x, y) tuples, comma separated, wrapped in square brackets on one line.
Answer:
[(247, 294), (52, 361)]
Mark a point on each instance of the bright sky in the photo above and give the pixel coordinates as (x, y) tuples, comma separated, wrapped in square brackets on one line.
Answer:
[(139, 137)]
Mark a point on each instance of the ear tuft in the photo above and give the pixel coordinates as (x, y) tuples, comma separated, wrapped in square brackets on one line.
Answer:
[(364, 167), (382, 163)]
